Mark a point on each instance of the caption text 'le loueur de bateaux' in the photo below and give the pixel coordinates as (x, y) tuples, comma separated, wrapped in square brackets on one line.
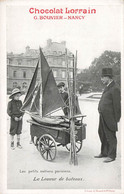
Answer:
[(50, 175)]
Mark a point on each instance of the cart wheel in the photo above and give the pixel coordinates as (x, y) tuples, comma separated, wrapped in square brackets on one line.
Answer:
[(78, 146), (47, 147)]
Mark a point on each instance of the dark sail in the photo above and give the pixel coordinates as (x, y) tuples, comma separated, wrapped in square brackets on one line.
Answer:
[(35, 107), (51, 99), (31, 90)]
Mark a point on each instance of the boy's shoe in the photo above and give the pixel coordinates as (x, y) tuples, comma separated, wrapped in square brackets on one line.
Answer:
[(19, 145), (12, 146)]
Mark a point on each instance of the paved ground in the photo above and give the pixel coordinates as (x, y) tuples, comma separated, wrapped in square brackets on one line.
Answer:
[(27, 169)]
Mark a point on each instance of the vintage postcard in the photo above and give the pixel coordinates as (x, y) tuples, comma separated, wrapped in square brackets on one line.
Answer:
[(61, 97)]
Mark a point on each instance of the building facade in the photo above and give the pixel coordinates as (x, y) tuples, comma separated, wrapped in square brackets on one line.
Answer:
[(20, 67)]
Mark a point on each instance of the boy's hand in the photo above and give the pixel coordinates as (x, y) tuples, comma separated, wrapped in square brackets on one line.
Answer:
[(16, 119), (20, 118)]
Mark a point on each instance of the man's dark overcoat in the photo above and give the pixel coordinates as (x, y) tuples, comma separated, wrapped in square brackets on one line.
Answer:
[(110, 113), (110, 106)]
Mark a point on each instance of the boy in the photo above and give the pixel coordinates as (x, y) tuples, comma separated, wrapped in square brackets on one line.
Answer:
[(64, 95), (16, 115)]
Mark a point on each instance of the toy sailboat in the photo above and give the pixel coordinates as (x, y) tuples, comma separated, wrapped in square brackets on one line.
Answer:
[(43, 98)]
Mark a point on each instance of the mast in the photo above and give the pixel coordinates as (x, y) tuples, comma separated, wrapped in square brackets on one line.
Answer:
[(68, 81), (72, 101), (40, 101), (74, 81), (74, 109)]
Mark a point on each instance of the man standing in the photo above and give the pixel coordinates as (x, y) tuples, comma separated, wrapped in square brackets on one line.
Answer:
[(110, 112)]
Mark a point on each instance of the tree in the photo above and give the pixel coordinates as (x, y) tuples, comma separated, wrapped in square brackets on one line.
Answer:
[(93, 73)]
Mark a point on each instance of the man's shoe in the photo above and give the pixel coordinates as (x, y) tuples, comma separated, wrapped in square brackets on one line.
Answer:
[(19, 146), (12, 146), (100, 156), (109, 160)]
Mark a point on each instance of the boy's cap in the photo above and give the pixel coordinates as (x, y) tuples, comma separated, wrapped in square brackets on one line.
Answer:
[(15, 91), (61, 84)]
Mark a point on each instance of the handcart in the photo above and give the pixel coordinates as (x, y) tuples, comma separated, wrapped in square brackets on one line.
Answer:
[(47, 137)]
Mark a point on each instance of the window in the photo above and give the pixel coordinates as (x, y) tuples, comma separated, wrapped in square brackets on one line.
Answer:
[(24, 74), (14, 73), (24, 85), (49, 60), (60, 52), (15, 85), (10, 61), (54, 61), (28, 62), (54, 52), (55, 73), (71, 63), (63, 74), (19, 62), (71, 74), (63, 63)]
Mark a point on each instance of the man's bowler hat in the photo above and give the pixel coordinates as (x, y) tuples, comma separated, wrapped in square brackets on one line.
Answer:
[(107, 72), (15, 91), (61, 84)]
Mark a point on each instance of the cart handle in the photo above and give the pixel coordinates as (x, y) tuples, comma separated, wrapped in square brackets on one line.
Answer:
[(78, 116)]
